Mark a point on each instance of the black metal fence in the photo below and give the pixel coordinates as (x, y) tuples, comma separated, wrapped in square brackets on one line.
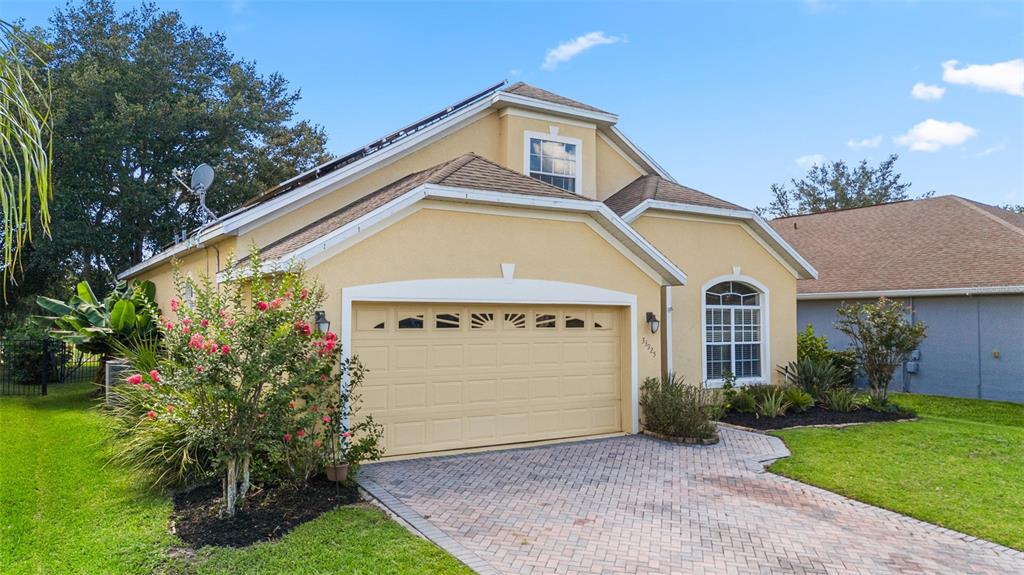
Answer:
[(30, 366)]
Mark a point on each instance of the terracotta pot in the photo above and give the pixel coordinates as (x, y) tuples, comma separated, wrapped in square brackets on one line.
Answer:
[(337, 471)]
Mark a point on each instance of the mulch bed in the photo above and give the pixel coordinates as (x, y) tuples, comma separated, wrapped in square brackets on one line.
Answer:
[(813, 416), (268, 513)]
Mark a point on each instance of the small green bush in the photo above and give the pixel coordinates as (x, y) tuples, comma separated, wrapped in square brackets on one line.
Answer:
[(811, 346), (798, 399), (743, 401), (814, 375), (841, 399), (671, 407), (772, 402)]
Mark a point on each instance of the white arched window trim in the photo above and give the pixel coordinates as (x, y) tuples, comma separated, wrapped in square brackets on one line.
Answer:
[(766, 352)]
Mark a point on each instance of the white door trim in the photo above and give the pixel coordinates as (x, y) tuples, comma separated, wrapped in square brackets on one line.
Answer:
[(495, 290)]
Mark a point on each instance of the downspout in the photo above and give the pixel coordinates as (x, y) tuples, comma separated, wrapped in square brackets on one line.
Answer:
[(906, 374), (977, 312)]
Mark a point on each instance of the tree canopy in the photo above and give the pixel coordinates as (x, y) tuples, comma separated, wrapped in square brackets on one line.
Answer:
[(835, 185), (139, 97)]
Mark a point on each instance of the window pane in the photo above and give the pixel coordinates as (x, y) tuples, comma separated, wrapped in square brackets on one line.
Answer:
[(481, 321), (446, 321), (574, 322), (545, 320), (535, 146), (411, 322), (515, 321), (748, 360), (534, 162), (719, 360)]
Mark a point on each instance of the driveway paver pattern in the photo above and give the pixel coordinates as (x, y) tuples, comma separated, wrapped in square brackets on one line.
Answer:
[(638, 505)]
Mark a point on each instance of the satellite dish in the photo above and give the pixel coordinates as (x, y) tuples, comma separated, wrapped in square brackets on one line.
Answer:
[(202, 177)]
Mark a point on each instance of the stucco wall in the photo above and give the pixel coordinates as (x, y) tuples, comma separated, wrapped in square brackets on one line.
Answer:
[(957, 355), (475, 245), (706, 248)]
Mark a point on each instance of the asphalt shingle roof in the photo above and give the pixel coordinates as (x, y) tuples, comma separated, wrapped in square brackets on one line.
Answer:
[(524, 89), (466, 171), (934, 243), (657, 188)]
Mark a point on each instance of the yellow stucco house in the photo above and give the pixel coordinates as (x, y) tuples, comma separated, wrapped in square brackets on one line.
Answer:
[(511, 268)]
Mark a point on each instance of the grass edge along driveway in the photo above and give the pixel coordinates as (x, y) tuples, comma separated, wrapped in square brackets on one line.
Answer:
[(959, 466), (63, 509)]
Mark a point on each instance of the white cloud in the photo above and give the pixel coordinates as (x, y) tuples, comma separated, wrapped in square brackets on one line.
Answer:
[(932, 135), (806, 162), (922, 91), (865, 143), (990, 150), (1005, 76), (568, 50)]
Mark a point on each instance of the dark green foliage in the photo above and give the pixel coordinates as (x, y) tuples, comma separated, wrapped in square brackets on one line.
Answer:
[(882, 338), (841, 399), (744, 401), (811, 346), (814, 375), (23, 355), (834, 185), (670, 406), (772, 402), (140, 96), (798, 399)]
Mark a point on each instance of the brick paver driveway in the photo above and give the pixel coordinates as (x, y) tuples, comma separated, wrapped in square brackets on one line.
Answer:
[(638, 505)]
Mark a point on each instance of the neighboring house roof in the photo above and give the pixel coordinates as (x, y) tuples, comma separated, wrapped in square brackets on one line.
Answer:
[(315, 183), (524, 89), (466, 171), (657, 188), (934, 246)]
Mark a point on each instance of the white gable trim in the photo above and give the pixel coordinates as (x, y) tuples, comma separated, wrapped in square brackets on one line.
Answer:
[(792, 259), (617, 232)]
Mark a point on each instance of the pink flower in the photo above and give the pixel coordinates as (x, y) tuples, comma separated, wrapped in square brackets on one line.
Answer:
[(184, 329), (225, 349), (199, 369), (304, 293), (186, 321), (287, 436), (222, 313), (326, 418), (135, 379), (170, 409), (300, 433), (174, 304), (291, 404), (155, 376), (151, 414), (169, 326), (197, 341), (276, 303), (146, 386), (347, 434), (330, 336), (323, 377), (213, 347), (231, 323), (262, 306), (287, 295), (204, 323), (329, 346), (317, 443)]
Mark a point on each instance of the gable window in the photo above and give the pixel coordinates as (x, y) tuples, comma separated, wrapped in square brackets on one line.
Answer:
[(733, 334), (554, 160)]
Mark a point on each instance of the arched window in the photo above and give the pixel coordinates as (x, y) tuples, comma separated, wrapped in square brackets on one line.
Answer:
[(733, 331)]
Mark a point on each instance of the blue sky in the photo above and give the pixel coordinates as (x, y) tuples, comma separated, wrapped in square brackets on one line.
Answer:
[(729, 97)]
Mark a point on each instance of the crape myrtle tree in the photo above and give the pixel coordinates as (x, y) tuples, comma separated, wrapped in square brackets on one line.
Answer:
[(240, 375), (882, 339), (140, 96)]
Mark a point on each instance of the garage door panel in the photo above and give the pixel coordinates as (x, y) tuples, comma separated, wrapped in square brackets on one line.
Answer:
[(464, 376)]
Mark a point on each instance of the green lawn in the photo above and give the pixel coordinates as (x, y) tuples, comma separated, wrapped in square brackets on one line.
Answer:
[(63, 510), (960, 466)]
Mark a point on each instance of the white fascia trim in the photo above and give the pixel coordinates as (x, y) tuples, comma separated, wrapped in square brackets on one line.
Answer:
[(241, 220), (766, 350), (561, 109), (495, 290), (669, 273), (606, 215), (929, 292), (760, 226), (655, 167)]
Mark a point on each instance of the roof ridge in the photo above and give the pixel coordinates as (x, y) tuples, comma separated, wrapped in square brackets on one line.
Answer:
[(447, 169), (974, 206), (850, 209)]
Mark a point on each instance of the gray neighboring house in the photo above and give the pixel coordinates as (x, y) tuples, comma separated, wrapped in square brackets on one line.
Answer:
[(957, 264)]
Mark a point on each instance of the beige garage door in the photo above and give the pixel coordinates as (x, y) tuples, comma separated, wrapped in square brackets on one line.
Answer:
[(457, 376)]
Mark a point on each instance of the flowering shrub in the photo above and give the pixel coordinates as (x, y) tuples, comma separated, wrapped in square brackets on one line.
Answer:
[(242, 375)]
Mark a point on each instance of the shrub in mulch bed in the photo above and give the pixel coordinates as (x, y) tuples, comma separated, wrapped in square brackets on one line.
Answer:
[(814, 416), (267, 515)]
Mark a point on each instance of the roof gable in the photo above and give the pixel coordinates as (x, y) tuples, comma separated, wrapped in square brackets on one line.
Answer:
[(656, 188), (528, 91), (943, 243)]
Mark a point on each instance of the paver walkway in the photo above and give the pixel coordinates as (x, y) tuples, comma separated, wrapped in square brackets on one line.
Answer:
[(637, 505)]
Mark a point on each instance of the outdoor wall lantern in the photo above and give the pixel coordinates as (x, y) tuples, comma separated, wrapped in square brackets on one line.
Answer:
[(652, 321), (320, 319)]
